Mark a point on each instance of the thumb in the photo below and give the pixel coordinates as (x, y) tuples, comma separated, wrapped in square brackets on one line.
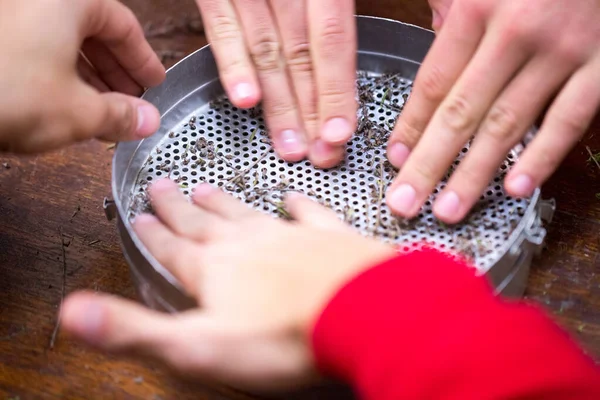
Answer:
[(183, 341), (114, 325), (111, 116)]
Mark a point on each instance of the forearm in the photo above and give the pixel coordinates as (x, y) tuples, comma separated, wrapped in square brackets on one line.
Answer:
[(424, 326)]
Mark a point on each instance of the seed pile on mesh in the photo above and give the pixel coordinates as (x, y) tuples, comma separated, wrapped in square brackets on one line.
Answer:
[(230, 148)]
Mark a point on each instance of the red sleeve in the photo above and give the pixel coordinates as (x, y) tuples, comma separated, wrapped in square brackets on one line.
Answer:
[(423, 326)]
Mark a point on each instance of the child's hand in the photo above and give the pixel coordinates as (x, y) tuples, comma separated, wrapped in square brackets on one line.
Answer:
[(299, 58), (493, 68), (261, 282), (59, 61)]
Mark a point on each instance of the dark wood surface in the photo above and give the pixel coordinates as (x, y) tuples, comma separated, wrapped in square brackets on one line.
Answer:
[(42, 196)]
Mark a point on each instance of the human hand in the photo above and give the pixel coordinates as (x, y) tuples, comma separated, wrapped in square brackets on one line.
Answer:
[(491, 71), (439, 10), (261, 282), (61, 62), (299, 58)]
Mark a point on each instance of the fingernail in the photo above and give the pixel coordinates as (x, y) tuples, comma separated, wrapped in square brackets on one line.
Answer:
[(204, 189), (447, 205), (336, 131), (398, 154), (148, 121), (291, 144), (91, 321), (521, 185), (162, 185), (294, 195), (242, 92), (402, 199), (144, 219), (323, 152)]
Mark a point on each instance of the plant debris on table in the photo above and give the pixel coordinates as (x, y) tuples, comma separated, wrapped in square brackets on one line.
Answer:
[(230, 148)]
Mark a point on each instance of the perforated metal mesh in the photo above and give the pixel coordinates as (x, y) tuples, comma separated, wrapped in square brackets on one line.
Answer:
[(230, 148)]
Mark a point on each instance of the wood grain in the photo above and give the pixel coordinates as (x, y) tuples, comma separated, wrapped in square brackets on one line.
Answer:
[(40, 196)]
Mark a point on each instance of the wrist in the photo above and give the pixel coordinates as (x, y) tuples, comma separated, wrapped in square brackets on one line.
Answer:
[(354, 263), (402, 298)]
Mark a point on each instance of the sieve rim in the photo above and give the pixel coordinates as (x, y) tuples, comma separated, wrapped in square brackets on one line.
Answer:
[(133, 147)]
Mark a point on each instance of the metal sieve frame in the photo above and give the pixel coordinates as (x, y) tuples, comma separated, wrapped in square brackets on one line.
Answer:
[(197, 76)]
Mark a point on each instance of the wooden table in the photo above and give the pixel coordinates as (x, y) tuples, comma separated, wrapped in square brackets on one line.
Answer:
[(60, 194)]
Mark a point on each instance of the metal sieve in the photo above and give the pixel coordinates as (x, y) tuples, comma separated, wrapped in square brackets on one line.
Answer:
[(204, 138)]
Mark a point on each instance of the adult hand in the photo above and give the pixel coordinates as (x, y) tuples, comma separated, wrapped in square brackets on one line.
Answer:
[(61, 63), (260, 289), (299, 58), (493, 68)]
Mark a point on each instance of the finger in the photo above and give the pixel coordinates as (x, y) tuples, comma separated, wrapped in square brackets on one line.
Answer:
[(508, 120), (448, 57), (112, 324), (226, 38), (177, 254), (185, 342), (306, 211), (193, 343), (567, 120), (325, 155), (215, 201), (110, 116), (333, 33), (181, 216), (279, 105), (107, 67), (439, 9), (291, 17), (116, 27), (455, 121), (89, 75)]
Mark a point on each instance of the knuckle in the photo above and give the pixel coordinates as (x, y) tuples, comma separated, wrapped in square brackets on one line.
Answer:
[(517, 30), (333, 94), (425, 172), (548, 158), (131, 27), (298, 57), (501, 123), (407, 133), (471, 180), (127, 28), (458, 115), (125, 118), (142, 63), (333, 36), (232, 67), (224, 29), (573, 124), (475, 9), (570, 51), (117, 119), (432, 84), (280, 108), (266, 52), (311, 117), (520, 19)]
